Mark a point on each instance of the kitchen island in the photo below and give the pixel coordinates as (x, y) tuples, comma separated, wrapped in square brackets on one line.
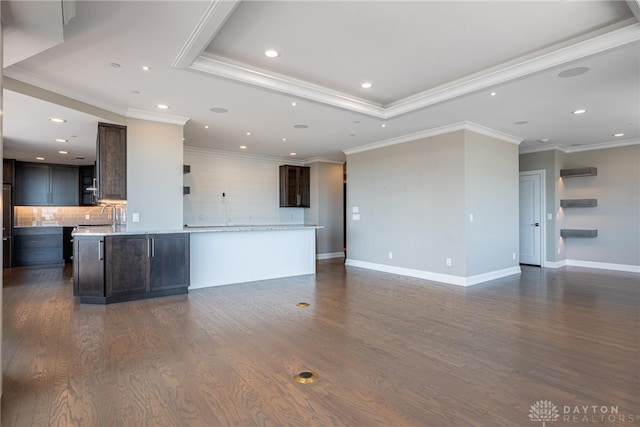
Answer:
[(235, 254), (112, 264)]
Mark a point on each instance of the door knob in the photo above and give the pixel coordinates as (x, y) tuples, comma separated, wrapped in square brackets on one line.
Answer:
[(537, 224)]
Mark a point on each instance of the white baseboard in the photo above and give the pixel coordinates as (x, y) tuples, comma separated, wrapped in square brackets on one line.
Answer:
[(592, 264), (330, 255), (555, 264), (436, 277)]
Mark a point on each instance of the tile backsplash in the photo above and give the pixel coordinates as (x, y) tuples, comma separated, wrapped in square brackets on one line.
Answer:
[(65, 216)]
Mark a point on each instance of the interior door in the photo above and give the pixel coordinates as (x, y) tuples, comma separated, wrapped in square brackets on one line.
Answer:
[(530, 218)]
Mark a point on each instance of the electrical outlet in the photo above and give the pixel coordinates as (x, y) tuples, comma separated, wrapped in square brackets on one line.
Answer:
[(135, 217), (448, 262), (390, 255), (87, 216), (514, 256)]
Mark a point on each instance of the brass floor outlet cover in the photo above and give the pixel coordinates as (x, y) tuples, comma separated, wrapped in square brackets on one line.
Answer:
[(305, 377), (302, 304)]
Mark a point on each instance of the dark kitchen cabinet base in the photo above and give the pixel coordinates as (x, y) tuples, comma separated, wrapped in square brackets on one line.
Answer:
[(133, 297)]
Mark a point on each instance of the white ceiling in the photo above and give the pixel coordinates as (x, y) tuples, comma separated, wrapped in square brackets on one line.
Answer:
[(431, 63)]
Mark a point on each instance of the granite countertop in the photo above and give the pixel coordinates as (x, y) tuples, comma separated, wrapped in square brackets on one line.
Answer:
[(122, 230)]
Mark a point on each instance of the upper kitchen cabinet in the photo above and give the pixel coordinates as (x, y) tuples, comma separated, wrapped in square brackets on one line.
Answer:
[(111, 161), (8, 166), (39, 184), (294, 186)]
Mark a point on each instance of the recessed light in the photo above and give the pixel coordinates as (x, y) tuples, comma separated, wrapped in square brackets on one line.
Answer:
[(57, 120), (580, 111), (39, 158), (366, 85), (353, 134), (300, 126), (61, 140), (206, 126), (248, 133), (292, 154), (79, 157), (543, 140), (284, 139), (293, 104), (163, 106), (356, 121), (573, 72), (521, 122), (271, 53), (146, 68), (617, 135), (218, 110), (243, 147), (63, 152), (135, 92), (492, 94), (115, 65), (384, 125)]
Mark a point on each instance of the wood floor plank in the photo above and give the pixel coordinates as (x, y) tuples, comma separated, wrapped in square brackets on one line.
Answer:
[(389, 351)]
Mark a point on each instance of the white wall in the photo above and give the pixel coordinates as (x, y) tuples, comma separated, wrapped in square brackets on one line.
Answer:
[(154, 175), (327, 188), (617, 216), (415, 199), (250, 185), (491, 189)]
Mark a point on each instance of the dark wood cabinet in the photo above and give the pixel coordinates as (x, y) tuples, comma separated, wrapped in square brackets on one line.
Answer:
[(63, 185), (131, 266), (8, 167), (295, 183), (87, 175), (37, 246), (169, 266), (111, 161), (32, 184), (41, 184), (88, 267), (128, 265)]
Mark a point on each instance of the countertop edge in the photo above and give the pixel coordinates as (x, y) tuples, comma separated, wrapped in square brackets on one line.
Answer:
[(100, 231)]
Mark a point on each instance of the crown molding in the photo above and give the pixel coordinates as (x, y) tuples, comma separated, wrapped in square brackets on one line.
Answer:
[(634, 5), (607, 38), (492, 133), (538, 61), (156, 117), (322, 160), (214, 17), (441, 130), (576, 149), (222, 67)]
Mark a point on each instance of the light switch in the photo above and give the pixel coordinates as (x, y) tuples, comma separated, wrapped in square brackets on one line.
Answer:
[(355, 209), (550, 216), (356, 217), (135, 217)]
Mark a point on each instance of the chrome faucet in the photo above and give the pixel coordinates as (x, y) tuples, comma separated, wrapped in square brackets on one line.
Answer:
[(113, 213)]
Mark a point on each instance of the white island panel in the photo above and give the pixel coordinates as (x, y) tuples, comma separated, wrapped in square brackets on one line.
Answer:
[(223, 258)]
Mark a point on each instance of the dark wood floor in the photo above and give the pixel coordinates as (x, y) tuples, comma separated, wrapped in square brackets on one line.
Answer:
[(389, 351)]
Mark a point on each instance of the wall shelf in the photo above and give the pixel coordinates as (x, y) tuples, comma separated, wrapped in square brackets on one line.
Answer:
[(567, 232), (578, 203), (570, 173), (185, 170)]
